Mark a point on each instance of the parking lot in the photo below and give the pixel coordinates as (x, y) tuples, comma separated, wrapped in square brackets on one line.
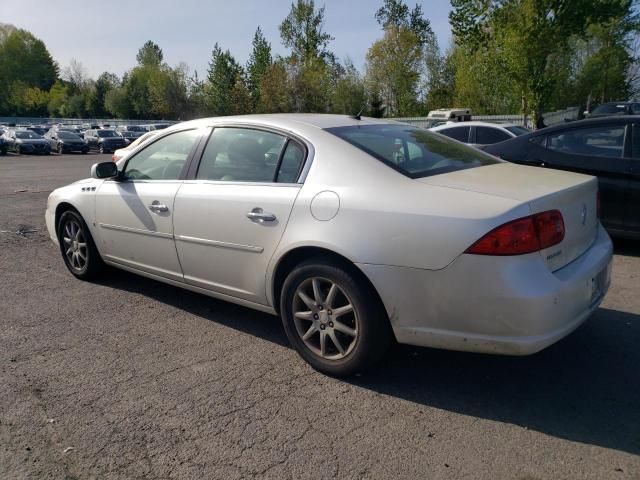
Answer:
[(130, 378)]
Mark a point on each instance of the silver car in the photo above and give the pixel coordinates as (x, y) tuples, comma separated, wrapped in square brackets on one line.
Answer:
[(357, 232)]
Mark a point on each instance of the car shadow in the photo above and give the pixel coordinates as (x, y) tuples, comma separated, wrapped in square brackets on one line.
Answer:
[(585, 388)]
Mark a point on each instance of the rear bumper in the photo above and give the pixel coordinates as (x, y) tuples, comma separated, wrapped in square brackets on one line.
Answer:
[(502, 305)]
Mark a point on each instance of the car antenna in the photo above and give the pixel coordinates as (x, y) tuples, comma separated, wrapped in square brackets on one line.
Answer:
[(357, 115)]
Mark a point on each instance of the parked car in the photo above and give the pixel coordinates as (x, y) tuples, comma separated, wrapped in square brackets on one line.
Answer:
[(105, 141), (121, 152), (39, 130), (156, 126), (351, 243), (615, 108), (607, 147), (26, 141), (480, 133), (64, 141), (131, 132)]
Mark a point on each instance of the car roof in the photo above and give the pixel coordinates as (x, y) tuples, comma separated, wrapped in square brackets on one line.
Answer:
[(590, 121), (289, 120)]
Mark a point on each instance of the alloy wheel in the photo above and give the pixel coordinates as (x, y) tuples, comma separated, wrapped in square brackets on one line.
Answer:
[(325, 318), (75, 245)]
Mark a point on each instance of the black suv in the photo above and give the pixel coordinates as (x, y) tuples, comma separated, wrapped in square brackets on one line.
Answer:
[(103, 140)]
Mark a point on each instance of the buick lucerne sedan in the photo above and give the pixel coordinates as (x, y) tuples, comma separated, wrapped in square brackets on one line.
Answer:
[(357, 232)]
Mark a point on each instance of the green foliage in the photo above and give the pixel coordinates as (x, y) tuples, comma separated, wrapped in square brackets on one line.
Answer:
[(350, 95), (274, 89), (302, 32), (259, 61), (224, 74), (150, 54), (506, 56), (394, 68), (396, 13)]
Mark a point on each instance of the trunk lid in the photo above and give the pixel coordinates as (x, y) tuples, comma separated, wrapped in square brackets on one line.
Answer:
[(574, 195)]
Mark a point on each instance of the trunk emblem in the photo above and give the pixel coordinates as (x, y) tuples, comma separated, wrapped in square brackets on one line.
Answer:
[(584, 214)]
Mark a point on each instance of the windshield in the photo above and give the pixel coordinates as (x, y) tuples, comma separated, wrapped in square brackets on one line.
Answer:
[(24, 134), (67, 135), (610, 109), (412, 151), (517, 130), (107, 133)]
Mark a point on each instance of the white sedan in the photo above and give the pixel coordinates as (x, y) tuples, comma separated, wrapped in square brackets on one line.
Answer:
[(480, 133), (357, 232)]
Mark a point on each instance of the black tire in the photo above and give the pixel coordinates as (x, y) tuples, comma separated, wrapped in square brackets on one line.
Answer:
[(101, 149), (93, 265), (18, 150), (374, 334), (60, 149)]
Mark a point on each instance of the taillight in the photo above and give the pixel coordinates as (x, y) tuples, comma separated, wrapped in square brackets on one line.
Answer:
[(524, 235)]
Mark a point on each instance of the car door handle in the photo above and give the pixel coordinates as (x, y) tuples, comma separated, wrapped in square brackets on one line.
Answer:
[(261, 216), (156, 206)]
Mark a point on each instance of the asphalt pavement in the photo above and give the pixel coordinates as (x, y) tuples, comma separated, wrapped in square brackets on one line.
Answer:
[(130, 378)]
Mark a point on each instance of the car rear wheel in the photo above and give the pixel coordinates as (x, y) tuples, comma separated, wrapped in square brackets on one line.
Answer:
[(77, 247), (334, 319)]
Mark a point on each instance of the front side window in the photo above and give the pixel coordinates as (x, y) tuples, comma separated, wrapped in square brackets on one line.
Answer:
[(488, 135), (391, 145), (603, 141), (164, 159), (457, 133), (241, 155)]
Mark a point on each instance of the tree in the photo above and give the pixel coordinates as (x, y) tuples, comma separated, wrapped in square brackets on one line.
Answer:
[(350, 95), (302, 32), (224, 74), (25, 62), (527, 36), (95, 102), (274, 89), (396, 13), (150, 54), (259, 61), (394, 68)]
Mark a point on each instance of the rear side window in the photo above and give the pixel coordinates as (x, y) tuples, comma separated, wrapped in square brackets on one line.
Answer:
[(241, 155), (412, 151), (603, 141), (457, 133), (291, 163), (488, 135)]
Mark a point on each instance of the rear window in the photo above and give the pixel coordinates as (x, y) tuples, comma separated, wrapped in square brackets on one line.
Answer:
[(517, 130), (610, 109), (457, 133), (412, 151)]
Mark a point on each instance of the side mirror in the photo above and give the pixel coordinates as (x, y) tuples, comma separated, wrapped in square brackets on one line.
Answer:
[(104, 170)]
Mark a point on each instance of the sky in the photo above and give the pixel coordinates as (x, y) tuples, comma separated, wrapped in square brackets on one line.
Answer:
[(106, 35)]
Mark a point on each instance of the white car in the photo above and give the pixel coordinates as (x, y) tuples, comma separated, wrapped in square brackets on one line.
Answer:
[(355, 231), (480, 133), (122, 152)]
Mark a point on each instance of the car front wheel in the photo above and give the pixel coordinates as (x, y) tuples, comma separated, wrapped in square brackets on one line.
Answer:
[(77, 247), (334, 319)]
